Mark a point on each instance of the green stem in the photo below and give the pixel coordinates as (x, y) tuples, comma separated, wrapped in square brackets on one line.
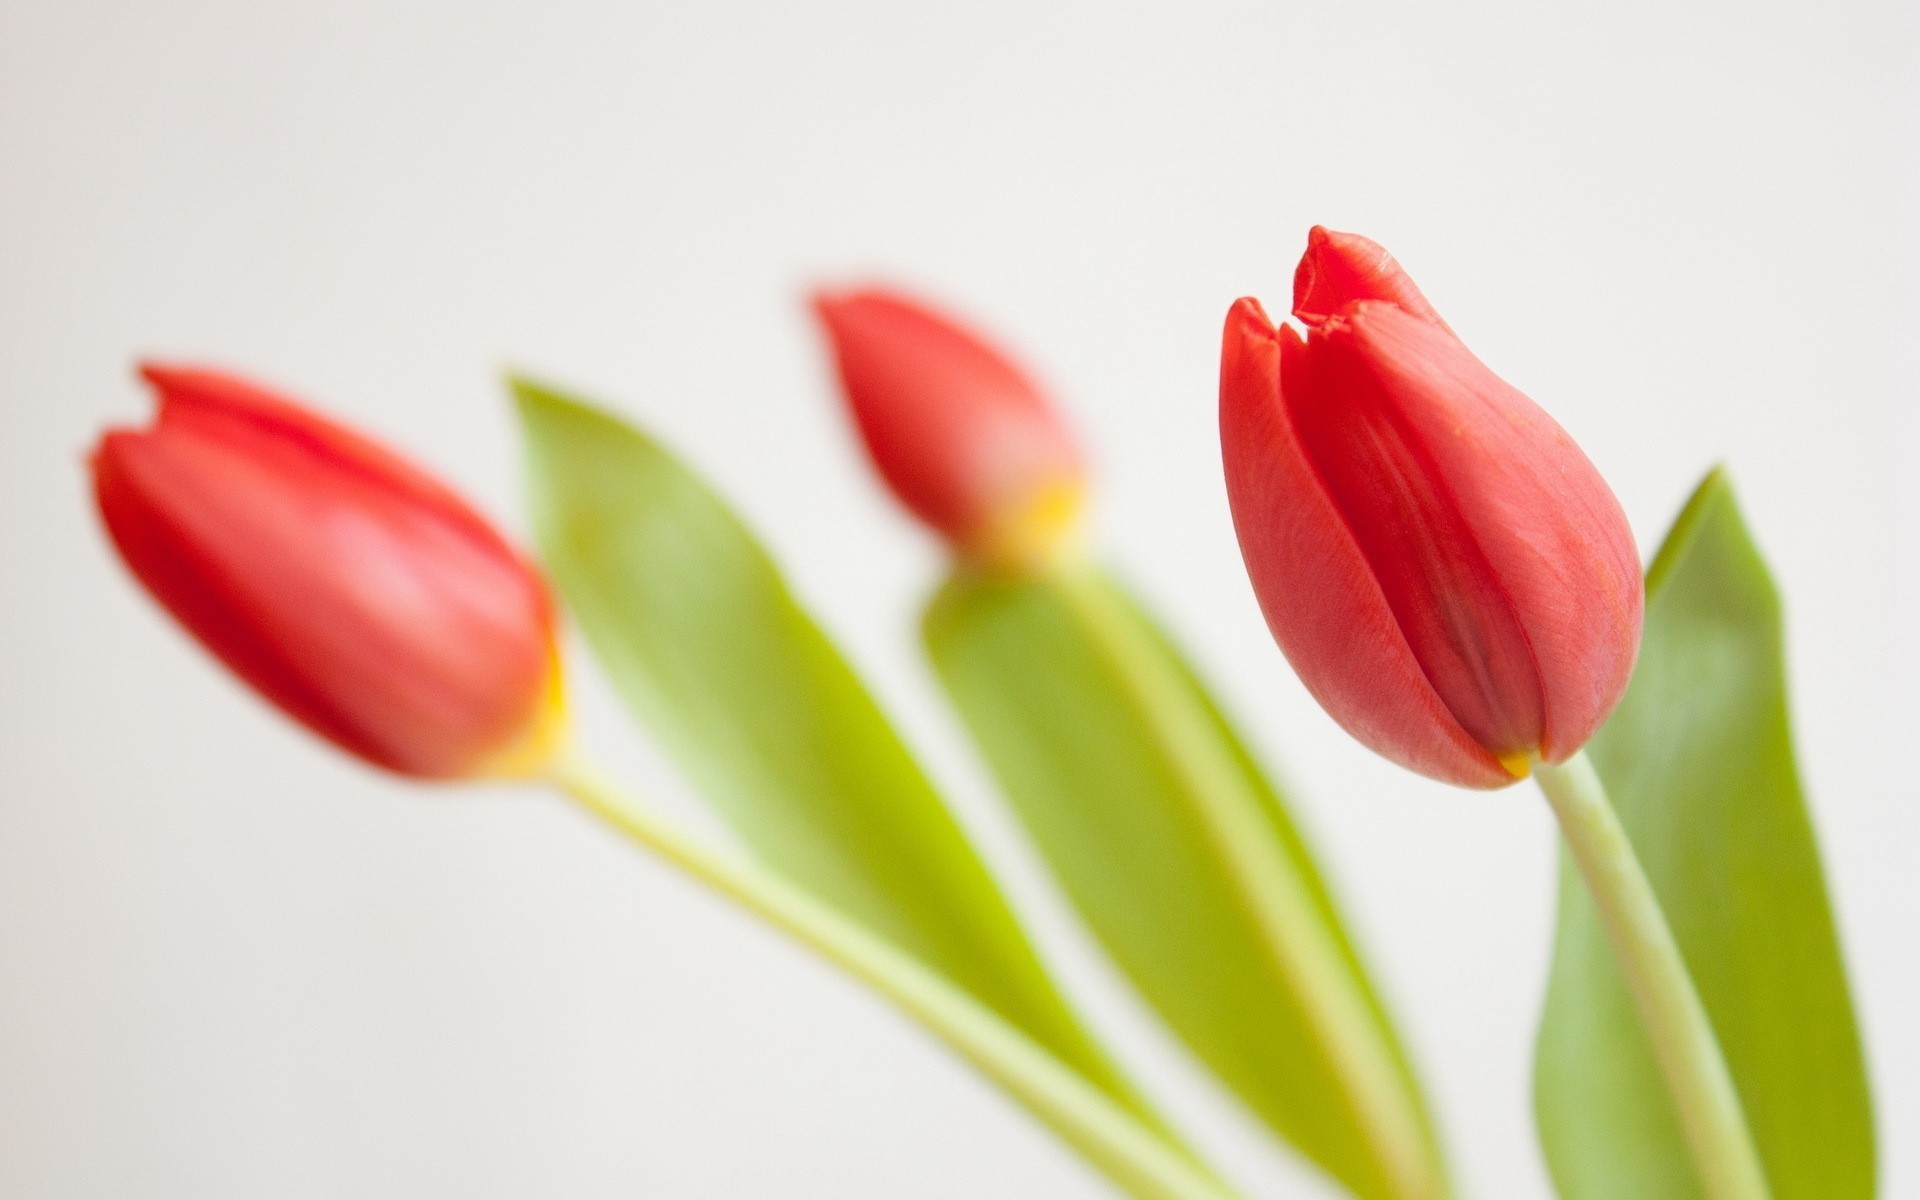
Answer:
[(1132, 1156), (1656, 974), (1277, 898)]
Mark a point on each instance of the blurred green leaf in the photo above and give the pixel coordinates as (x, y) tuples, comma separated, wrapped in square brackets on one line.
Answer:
[(1183, 860), (698, 631), (1699, 762)]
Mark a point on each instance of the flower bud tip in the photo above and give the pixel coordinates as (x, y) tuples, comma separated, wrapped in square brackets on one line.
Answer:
[(959, 432)]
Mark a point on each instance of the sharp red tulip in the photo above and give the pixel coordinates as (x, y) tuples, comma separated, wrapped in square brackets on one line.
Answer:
[(959, 432), (351, 589), (1444, 568)]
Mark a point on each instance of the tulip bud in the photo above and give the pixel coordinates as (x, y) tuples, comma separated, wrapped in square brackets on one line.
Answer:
[(355, 592), (960, 434), (1447, 572)]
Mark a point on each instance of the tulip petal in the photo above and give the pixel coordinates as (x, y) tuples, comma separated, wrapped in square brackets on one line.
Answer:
[(1320, 597), (1538, 549), (239, 412), (136, 485), (1365, 432), (1340, 269)]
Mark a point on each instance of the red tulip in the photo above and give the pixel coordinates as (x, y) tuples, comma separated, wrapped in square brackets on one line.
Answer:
[(960, 434), (1441, 564), (351, 589)]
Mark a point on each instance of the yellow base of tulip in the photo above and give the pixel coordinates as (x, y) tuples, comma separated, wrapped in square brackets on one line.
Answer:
[(1034, 533), (545, 738)]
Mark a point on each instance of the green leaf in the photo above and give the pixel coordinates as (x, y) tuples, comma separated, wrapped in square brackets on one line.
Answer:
[(1698, 760), (1182, 859), (699, 633)]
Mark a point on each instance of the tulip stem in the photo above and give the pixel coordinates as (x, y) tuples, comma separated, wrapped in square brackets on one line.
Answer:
[(1135, 1158), (1670, 1010)]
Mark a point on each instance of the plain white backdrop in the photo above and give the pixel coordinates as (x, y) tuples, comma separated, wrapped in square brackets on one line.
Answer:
[(234, 964)]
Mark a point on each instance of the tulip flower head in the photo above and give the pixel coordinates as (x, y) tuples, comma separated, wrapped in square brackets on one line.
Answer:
[(1447, 572), (355, 592), (960, 434)]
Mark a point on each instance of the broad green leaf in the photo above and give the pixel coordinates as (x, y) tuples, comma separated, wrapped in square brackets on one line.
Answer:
[(1698, 760), (699, 633), (1182, 859)]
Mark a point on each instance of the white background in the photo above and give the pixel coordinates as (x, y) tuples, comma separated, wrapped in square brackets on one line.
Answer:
[(234, 964)]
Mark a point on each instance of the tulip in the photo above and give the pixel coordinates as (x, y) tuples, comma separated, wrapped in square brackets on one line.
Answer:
[(354, 591), (1443, 567), (961, 435)]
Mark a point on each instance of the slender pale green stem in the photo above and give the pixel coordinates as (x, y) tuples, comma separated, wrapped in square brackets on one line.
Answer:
[(1130, 1154), (1276, 897), (1670, 1009)]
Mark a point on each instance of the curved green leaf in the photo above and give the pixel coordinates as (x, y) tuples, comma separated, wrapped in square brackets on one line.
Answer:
[(1181, 857), (699, 633), (1698, 760)]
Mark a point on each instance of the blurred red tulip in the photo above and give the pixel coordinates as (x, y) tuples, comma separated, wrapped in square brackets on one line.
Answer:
[(1441, 564), (360, 595), (960, 434)]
